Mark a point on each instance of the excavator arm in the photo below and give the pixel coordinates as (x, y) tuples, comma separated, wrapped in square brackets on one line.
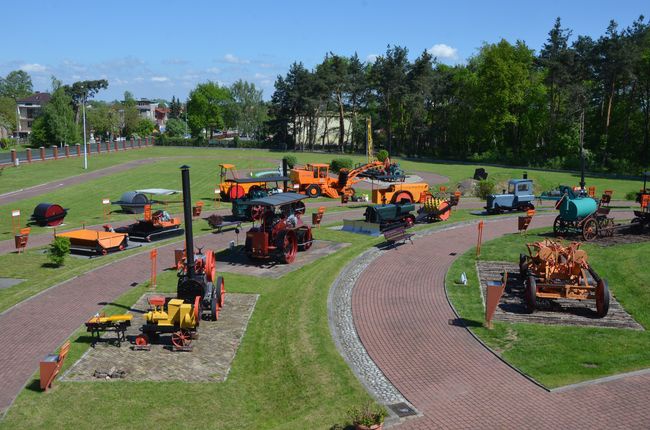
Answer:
[(353, 175)]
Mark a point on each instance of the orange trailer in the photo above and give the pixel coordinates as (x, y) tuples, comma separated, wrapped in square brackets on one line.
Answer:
[(100, 242), (416, 192)]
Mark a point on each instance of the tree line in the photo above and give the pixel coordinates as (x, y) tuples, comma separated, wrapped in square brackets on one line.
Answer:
[(507, 103)]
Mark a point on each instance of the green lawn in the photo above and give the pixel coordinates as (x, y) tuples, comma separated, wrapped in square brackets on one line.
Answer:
[(84, 200), (287, 372), (557, 355)]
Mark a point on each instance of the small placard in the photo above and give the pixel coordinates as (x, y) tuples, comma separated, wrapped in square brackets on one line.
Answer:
[(296, 186), (106, 202), (217, 191), (15, 213)]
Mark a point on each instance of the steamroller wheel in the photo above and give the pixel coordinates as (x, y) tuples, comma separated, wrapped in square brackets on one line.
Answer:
[(590, 230), (181, 338), (306, 240), (220, 286), (401, 196), (531, 294), (559, 226), (602, 298), (287, 246)]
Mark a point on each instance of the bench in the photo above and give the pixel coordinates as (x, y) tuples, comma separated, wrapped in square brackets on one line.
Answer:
[(221, 226), (397, 234)]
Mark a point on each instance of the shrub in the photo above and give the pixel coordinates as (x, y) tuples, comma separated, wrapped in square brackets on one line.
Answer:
[(341, 163), (484, 188), (291, 161), (367, 415), (4, 142), (631, 195), (382, 155), (58, 250)]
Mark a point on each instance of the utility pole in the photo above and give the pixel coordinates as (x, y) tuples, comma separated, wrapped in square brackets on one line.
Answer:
[(582, 149)]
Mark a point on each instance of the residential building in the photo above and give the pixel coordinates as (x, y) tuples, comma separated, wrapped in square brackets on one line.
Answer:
[(28, 109), (146, 109), (161, 118)]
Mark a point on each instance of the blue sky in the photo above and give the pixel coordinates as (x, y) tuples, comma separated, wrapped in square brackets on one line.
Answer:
[(159, 48)]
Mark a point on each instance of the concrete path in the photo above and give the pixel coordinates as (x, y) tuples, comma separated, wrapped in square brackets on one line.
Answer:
[(403, 319)]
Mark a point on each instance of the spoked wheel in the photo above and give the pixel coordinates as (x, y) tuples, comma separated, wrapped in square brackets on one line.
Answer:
[(181, 339), (523, 266), (287, 245), (606, 227), (306, 240), (590, 230), (531, 294), (402, 196), (559, 226), (602, 298), (142, 340), (214, 306), (220, 287)]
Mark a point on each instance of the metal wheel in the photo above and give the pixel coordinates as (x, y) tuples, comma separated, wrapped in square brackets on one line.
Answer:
[(221, 291), (531, 294), (306, 240), (214, 306), (287, 246), (607, 227), (142, 340), (602, 298), (409, 220), (523, 266), (402, 195), (313, 191), (559, 226), (181, 338), (590, 230)]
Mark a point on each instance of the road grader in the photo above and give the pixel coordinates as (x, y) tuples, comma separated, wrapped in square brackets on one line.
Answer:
[(554, 271), (281, 232)]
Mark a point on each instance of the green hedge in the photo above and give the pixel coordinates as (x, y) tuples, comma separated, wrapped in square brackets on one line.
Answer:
[(164, 140)]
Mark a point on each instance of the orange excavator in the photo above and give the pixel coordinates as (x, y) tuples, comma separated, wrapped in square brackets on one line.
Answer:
[(314, 180)]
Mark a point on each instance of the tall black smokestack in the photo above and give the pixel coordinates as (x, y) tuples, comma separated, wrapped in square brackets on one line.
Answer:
[(285, 173), (187, 212)]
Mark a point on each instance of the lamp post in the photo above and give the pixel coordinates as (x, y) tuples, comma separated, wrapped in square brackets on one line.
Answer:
[(582, 149), (83, 110)]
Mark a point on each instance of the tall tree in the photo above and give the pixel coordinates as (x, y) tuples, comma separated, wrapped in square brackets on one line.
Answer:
[(206, 108), (248, 112), (56, 123), (16, 85), (81, 91)]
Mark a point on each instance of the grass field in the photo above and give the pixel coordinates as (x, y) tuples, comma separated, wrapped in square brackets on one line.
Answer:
[(558, 355), (287, 372), (84, 200)]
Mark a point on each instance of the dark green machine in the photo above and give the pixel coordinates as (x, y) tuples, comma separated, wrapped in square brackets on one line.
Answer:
[(390, 216)]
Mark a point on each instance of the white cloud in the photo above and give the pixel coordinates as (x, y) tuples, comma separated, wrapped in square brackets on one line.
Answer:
[(371, 58), (159, 79), (34, 68), (214, 70), (229, 58), (443, 52), (267, 65), (261, 76)]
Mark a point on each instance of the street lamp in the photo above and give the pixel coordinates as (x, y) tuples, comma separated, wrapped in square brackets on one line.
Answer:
[(83, 110)]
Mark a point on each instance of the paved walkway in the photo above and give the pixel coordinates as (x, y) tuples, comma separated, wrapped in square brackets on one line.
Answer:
[(403, 319)]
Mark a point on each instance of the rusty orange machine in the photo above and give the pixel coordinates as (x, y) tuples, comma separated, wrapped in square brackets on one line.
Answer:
[(554, 271), (281, 233), (155, 225), (100, 242), (234, 187), (416, 192), (314, 180)]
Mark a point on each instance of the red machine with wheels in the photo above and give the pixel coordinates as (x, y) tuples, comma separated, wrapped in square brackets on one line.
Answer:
[(281, 233), (48, 214)]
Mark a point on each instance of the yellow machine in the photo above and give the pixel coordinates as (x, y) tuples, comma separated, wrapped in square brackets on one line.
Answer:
[(101, 323), (416, 192), (179, 318)]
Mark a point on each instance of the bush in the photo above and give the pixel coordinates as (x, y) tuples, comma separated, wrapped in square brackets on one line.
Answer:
[(367, 415), (291, 161), (382, 155), (485, 188), (58, 250), (341, 163), (631, 195), (4, 143)]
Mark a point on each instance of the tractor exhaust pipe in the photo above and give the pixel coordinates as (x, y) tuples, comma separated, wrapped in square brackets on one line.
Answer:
[(187, 212)]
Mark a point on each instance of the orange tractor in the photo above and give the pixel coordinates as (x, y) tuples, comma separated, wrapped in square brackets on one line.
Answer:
[(315, 180)]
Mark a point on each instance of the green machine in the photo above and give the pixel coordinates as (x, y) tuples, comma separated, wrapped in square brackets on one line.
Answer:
[(581, 215)]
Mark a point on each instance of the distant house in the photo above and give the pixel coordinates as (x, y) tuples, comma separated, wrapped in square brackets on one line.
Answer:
[(161, 115), (28, 109), (146, 109)]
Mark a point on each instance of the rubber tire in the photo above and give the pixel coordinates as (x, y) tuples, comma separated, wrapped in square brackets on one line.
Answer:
[(530, 294), (602, 298), (313, 191)]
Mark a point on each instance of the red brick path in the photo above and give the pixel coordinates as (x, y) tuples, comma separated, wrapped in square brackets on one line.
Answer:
[(402, 316)]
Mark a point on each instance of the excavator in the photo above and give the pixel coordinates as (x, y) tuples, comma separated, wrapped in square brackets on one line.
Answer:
[(314, 180)]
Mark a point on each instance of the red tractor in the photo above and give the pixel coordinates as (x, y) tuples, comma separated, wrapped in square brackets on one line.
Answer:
[(281, 233)]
